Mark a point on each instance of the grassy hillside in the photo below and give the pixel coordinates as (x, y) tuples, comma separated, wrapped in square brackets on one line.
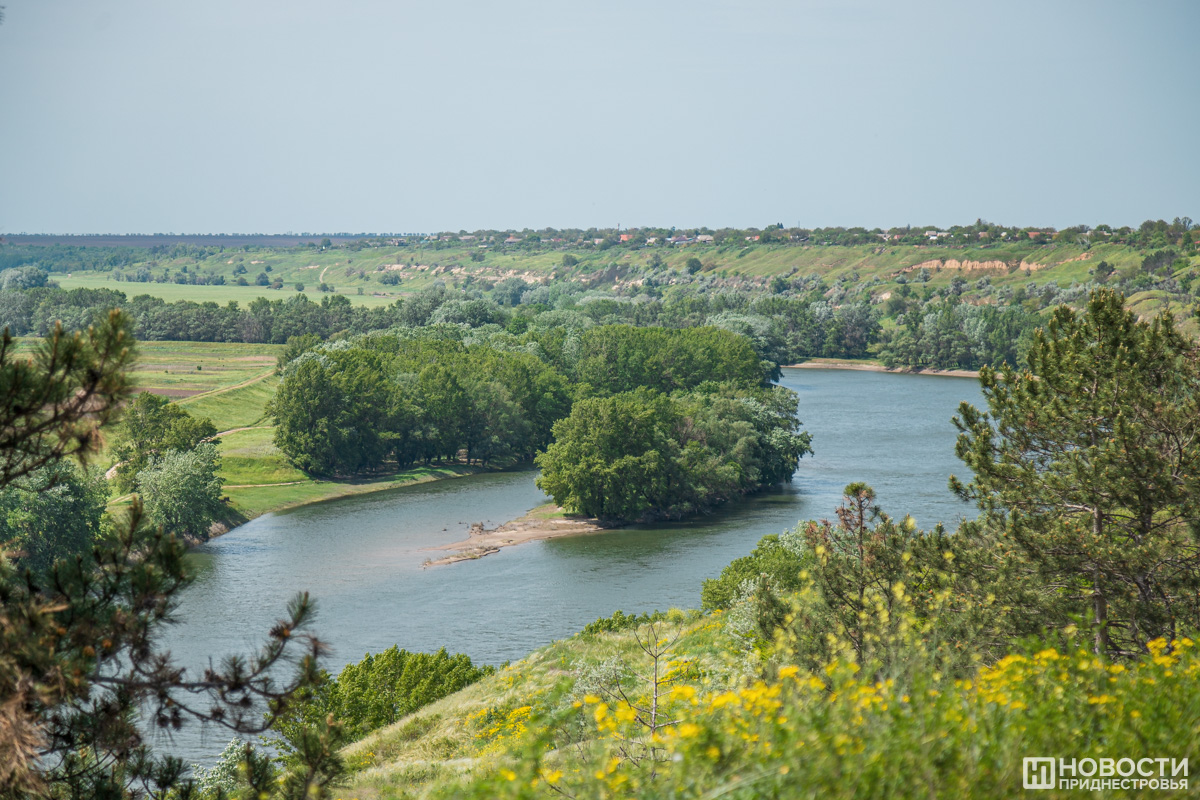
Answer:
[(550, 724), (419, 266)]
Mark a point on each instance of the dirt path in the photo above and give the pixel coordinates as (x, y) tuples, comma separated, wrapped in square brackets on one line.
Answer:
[(321, 277), (260, 485), (224, 389), (239, 430), (112, 471)]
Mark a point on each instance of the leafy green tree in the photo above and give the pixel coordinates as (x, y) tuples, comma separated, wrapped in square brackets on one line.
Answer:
[(1087, 467), (52, 513), (472, 313), (154, 426), (181, 490), (328, 409), (380, 689), (772, 559), (645, 455), (296, 346), (857, 562), (22, 278), (622, 358), (613, 457)]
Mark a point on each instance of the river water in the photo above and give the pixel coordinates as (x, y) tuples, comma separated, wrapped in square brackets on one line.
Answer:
[(362, 557)]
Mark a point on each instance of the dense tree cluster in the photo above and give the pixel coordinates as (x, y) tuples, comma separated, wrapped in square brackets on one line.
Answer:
[(783, 330), (54, 512), (408, 397), (151, 427), (1084, 469), (377, 691), (646, 455), (959, 336), (445, 393), (621, 358)]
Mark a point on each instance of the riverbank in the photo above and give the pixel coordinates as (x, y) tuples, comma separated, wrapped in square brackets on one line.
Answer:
[(544, 522), (255, 500), (245, 502), (868, 365)]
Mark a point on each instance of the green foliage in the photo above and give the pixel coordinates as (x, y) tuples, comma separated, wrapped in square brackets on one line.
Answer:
[(622, 358), (620, 621), (80, 664), (960, 336), (377, 691), (296, 346), (181, 490), (328, 409), (779, 559), (642, 455), (913, 731), (22, 278), (1087, 467), (152, 427), (222, 778), (50, 514), (414, 398), (53, 400)]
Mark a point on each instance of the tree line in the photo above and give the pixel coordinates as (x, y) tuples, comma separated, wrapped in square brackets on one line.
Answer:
[(413, 397), (959, 336), (784, 330), (630, 423)]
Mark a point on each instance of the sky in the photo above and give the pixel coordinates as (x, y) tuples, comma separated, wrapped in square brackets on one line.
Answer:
[(257, 116)]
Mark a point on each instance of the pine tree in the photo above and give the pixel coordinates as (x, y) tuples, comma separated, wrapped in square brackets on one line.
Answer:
[(81, 673), (1086, 471)]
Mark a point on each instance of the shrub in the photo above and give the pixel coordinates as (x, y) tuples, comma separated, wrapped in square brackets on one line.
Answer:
[(380, 690)]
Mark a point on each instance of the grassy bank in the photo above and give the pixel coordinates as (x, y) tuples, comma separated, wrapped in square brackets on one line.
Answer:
[(230, 384), (256, 500)]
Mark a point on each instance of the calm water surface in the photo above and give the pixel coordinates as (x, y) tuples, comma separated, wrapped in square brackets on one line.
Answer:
[(362, 557)]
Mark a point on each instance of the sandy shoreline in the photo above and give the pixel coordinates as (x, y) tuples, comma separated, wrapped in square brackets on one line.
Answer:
[(543, 522), (852, 365)]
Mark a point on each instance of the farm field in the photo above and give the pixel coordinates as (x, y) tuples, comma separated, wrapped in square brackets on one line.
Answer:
[(242, 295), (189, 369)]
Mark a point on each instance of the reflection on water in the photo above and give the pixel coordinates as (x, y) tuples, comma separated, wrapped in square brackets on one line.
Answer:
[(362, 556)]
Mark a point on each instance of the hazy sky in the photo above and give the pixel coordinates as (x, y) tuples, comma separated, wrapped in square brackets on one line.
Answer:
[(365, 115)]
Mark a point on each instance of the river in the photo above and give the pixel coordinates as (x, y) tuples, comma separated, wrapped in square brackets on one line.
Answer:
[(362, 557)]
